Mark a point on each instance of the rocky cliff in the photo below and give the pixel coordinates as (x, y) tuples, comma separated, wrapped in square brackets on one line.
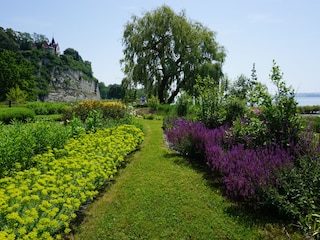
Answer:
[(70, 85)]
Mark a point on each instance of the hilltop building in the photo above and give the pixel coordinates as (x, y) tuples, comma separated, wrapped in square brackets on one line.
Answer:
[(52, 47)]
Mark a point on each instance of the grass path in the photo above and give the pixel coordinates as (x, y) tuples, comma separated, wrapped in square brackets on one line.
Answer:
[(159, 195)]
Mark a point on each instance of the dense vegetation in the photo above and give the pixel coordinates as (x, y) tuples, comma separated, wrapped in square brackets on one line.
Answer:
[(48, 170), (27, 62), (164, 52), (263, 153)]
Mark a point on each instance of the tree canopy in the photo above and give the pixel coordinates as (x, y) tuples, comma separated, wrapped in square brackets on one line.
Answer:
[(165, 52), (15, 72)]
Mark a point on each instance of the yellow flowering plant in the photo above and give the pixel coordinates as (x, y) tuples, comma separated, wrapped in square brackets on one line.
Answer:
[(82, 110), (41, 201)]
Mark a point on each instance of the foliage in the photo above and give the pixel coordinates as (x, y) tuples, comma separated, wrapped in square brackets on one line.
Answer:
[(165, 109), (241, 87), (190, 208), (39, 202), (15, 72), (16, 95), (153, 103), (266, 158), (182, 105), (272, 119), (298, 192), (114, 91), (234, 108), (25, 62), (103, 90), (164, 52), (46, 108), (20, 142), (82, 109), (7, 115), (313, 122), (209, 102), (309, 109)]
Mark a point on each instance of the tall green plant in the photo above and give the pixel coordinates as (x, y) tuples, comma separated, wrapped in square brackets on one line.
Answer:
[(281, 115), (208, 101), (182, 105), (153, 103), (276, 115)]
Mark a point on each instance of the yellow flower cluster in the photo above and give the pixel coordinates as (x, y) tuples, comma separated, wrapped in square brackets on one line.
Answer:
[(108, 109), (40, 201)]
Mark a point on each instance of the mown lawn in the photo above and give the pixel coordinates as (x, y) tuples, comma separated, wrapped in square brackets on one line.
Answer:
[(160, 195)]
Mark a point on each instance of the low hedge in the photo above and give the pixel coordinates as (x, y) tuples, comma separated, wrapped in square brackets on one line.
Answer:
[(15, 113), (46, 108)]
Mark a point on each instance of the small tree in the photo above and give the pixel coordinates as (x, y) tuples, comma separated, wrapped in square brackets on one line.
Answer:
[(16, 95), (209, 96)]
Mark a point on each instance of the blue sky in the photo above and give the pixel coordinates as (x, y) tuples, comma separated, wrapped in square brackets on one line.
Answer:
[(251, 32)]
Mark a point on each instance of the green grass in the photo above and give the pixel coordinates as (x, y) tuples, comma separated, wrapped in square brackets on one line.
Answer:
[(160, 195)]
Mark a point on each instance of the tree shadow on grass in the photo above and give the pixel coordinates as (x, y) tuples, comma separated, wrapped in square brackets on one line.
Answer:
[(198, 164), (274, 226)]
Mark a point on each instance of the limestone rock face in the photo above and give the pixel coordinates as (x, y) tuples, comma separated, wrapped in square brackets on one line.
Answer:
[(69, 85)]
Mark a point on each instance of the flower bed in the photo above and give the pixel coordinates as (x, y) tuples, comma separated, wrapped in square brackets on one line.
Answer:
[(284, 178), (39, 202)]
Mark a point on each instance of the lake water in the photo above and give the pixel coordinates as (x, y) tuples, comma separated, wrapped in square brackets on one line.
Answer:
[(308, 100)]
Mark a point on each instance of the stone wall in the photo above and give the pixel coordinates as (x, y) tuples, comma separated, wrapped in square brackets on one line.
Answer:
[(71, 86)]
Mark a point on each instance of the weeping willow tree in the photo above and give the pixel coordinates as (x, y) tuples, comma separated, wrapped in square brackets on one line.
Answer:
[(165, 52)]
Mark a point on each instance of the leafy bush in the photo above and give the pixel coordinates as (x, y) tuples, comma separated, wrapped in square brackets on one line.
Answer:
[(82, 110), (7, 115), (209, 109), (42, 201), (273, 119), (46, 108), (182, 105), (20, 142), (297, 194), (313, 122), (153, 103), (165, 109)]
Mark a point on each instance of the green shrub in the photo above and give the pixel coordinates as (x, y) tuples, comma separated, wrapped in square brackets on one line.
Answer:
[(115, 110), (51, 117), (182, 105), (165, 109), (273, 119), (209, 108), (234, 108), (153, 103), (311, 121), (46, 108), (7, 115), (20, 142), (298, 195)]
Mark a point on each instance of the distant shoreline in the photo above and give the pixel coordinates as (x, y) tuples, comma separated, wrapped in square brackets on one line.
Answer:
[(308, 94)]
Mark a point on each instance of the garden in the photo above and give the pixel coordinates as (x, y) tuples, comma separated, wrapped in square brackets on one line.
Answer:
[(261, 154), (50, 169), (264, 154)]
